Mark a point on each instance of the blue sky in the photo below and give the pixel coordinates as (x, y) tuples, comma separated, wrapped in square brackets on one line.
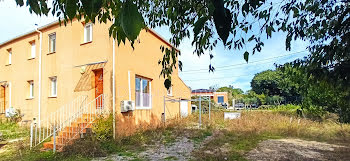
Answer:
[(237, 72)]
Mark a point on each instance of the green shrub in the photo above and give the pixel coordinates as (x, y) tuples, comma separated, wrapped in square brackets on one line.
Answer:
[(88, 146), (103, 128), (288, 109)]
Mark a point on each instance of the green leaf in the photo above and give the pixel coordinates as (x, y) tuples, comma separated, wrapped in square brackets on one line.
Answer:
[(167, 83), (19, 2), (131, 20), (71, 8), (246, 56), (199, 25)]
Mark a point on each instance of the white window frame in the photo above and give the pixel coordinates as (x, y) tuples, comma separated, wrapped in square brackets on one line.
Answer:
[(141, 96), (169, 91), (53, 86), (52, 38), (90, 33), (33, 50), (31, 89), (10, 57)]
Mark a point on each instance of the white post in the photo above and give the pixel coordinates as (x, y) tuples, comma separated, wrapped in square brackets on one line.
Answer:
[(31, 134), (113, 84), (200, 112), (164, 108), (233, 103), (209, 106), (39, 93), (54, 139), (129, 85), (10, 95)]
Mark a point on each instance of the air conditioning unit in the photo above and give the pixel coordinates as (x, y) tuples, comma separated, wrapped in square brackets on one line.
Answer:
[(127, 105)]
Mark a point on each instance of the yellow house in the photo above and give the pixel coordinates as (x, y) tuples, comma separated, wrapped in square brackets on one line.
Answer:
[(218, 97), (55, 68)]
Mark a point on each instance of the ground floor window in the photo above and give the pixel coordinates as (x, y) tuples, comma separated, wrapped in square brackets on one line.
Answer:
[(143, 93)]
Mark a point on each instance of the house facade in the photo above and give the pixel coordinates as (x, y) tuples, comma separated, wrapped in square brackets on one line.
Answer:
[(50, 67), (218, 97)]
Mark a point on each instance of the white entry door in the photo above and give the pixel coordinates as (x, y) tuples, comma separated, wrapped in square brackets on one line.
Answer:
[(184, 108)]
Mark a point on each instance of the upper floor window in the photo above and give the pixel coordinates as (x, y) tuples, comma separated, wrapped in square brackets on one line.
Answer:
[(143, 93), (53, 92), (88, 33), (33, 49), (52, 43), (9, 56)]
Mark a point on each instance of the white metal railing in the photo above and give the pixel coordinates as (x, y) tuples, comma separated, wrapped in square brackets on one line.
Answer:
[(88, 114), (39, 132)]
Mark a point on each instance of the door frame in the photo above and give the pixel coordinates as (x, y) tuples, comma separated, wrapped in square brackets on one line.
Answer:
[(4, 103), (99, 104)]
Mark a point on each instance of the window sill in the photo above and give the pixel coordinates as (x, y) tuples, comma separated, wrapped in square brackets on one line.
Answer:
[(7, 64), (52, 96), (30, 98), (85, 43), (51, 53), (143, 108), (31, 58)]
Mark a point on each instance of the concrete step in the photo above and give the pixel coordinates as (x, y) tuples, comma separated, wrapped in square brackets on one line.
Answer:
[(81, 124), (49, 145)]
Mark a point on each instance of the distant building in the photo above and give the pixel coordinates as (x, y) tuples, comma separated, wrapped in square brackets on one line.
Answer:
[(218, 97)]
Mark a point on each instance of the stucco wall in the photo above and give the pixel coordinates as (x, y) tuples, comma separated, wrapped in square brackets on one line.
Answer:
[(143, 61), (70, 52)]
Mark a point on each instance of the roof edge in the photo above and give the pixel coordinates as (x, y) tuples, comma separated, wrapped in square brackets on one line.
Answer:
[(29, 32), (57, 22)]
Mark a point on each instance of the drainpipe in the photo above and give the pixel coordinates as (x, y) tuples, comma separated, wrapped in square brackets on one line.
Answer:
[(39, 95), (10, 95), (113, 75)]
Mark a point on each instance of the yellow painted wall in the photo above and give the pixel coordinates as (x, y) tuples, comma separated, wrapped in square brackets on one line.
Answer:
[(70, 52), (216, 94), (213, 95), (143, 61)]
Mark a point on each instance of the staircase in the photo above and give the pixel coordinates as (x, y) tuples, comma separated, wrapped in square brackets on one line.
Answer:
[(69, 126), (66, 136)]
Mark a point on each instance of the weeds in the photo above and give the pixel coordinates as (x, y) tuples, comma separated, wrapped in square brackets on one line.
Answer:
[(230, 139), (240, 135), (10, 130)]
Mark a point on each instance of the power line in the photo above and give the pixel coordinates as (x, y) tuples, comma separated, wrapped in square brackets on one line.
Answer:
[(194, 72), (220, 77), (233, 65)]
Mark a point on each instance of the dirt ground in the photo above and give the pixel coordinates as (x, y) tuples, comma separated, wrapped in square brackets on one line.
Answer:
[(181, 149), (268, 150), (296, 149)]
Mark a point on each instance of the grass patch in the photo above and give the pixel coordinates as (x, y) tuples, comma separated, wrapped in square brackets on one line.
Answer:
[(198, 136), (171, 158), (236, 137), (11, 130)]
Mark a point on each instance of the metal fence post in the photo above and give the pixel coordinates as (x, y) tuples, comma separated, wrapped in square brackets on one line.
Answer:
[(200, 111), (164, 109), (31, 135), (209, 107), (54, 138)]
